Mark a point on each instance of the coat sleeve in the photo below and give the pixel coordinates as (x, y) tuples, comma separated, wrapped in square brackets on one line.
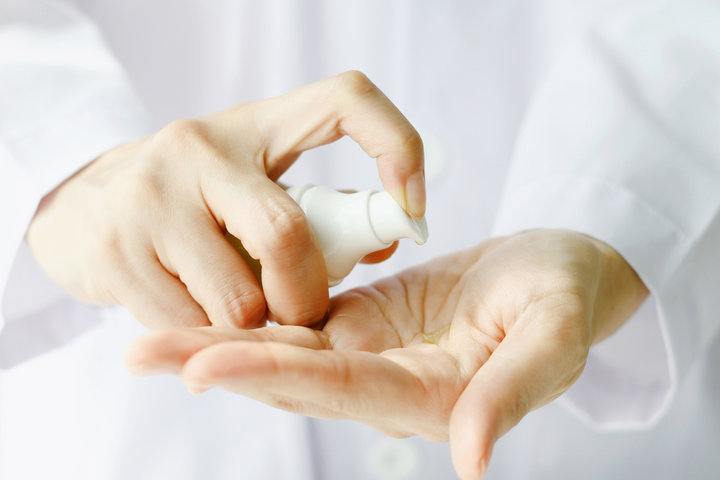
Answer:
[(623, 143), (63, 101)]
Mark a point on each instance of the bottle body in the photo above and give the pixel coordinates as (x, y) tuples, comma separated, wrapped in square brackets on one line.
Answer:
[(349, 226)]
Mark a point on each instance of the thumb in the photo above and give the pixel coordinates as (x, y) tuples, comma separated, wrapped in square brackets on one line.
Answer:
[(346, 104), (525, 372)]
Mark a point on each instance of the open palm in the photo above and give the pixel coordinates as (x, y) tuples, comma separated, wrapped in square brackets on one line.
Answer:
[(460, 348)]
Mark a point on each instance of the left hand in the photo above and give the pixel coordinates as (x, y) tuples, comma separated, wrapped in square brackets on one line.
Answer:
[(146, 224), (458, 349)]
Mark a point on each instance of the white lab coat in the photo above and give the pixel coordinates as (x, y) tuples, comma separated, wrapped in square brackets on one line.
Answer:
[(609, 110)]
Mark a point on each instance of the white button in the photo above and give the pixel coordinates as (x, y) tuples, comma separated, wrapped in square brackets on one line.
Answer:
[(391, 459), (435, 158)]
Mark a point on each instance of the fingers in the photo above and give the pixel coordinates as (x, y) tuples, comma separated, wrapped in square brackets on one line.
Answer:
[(346, 104), (159, 300), (166, 351), (271, 227), (276, 375), (274, 230), (357, 385), (380, 255), (214, 272), (525, 372)]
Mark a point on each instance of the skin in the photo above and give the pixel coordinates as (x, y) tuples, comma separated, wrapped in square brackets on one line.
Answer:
[(457, 350), (145, 224)]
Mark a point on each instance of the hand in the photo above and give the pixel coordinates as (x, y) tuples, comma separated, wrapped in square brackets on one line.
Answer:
[(144, 225), (460, 348)]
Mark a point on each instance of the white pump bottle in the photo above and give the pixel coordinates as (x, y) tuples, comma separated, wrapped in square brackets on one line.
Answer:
[(348, 226)]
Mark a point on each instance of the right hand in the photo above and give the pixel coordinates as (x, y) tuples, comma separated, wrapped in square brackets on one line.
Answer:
[(458, 349), (143, 225)]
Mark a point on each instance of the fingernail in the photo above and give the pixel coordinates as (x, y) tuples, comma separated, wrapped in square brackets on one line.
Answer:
[(415, 194)]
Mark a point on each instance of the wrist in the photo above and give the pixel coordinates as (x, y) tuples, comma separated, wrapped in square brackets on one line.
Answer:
[(620, 292)]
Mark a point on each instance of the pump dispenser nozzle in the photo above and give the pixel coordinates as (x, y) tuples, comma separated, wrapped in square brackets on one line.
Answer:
[(348, 226)]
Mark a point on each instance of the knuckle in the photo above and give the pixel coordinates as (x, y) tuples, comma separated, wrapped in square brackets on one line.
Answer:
[(287, 228), (181, 134), (412, 142), (355, 83), (182, 129), (239, 307)]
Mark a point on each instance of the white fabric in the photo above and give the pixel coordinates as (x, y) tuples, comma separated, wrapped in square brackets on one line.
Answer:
[(618, 139), (64, 100), (645, 86)]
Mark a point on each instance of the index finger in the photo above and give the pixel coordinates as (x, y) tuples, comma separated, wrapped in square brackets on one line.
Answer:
[(346, 104)]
